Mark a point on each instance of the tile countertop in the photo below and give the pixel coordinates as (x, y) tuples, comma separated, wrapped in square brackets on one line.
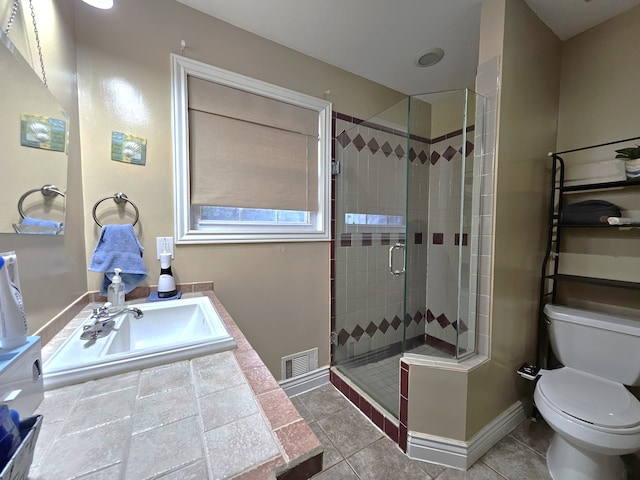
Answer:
[(220, 416)]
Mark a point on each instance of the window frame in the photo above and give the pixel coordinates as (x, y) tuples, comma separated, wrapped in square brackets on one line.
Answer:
[(318, 230)]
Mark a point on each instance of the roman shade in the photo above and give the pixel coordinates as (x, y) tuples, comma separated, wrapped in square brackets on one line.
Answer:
[(250, 151)]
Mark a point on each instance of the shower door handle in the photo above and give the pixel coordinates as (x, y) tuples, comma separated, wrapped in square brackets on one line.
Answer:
[(393, 248)]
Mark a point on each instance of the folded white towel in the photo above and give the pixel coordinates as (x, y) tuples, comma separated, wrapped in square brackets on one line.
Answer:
[(623, 221)]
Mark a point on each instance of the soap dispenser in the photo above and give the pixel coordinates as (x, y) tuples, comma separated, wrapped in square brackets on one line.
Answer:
[(115, 292)]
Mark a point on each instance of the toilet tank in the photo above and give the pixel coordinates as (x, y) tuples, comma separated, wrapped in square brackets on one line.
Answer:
[(598, 343)]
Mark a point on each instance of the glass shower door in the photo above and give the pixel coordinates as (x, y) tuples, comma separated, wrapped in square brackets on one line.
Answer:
[(369, 254)]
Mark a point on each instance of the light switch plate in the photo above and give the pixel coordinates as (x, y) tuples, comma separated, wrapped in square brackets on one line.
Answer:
[(164, 244)]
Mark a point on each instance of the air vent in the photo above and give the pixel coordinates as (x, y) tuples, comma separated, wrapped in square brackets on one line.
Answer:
[(299, 363)]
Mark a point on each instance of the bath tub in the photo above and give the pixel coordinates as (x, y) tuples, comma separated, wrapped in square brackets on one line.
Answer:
[(169, 331)]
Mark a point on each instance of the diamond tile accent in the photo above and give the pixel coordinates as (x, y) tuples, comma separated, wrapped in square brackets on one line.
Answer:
[(423, 157), (384, 325), (435, 156), (460, 326), (430, 316), (373, 146), (408, 319), (357, 332), (359, 142), (396, 322), (343, 139), (443, 320), (448, 153), (371, 329), (470, 148), (399, 151), (343, 336), (418, 317), (412, 154), (386, 149)]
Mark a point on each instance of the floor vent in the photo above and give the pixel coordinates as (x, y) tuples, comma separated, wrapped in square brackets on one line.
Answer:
[(299, 363)]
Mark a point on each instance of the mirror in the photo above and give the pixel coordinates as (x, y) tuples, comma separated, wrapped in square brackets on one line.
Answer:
[(34, 137)]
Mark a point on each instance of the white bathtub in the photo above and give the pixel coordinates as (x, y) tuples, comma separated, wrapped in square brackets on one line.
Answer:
[(169, 331)]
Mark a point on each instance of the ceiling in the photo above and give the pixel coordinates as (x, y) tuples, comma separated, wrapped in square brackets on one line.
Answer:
[(380, 39)]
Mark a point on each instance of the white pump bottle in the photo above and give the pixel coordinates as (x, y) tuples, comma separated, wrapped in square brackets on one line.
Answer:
[(115, 292)]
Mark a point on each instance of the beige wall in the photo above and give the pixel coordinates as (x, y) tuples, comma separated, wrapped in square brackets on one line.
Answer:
[(52, 269), (279, 294), (527, 113), (527, 130), (599, 102)]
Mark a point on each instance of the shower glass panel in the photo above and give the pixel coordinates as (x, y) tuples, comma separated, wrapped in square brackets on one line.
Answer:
[(404, 217)]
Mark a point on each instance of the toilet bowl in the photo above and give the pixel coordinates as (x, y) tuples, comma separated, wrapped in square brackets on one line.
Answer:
[(595, 421), (594, 417)]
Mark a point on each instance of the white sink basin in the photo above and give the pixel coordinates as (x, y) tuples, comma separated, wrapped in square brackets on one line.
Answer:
[(169, 331)]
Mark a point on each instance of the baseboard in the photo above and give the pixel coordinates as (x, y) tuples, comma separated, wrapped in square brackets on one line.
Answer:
[(303, 383), (461, 455)]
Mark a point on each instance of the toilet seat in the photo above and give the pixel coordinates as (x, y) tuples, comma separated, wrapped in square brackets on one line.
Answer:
[(595, 402)]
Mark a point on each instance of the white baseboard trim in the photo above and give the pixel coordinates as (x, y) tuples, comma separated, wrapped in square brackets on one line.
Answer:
[(303, 383), (461, 455)]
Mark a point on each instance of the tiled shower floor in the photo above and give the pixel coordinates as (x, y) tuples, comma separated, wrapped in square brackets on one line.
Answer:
[(355, 449), (380, 379)]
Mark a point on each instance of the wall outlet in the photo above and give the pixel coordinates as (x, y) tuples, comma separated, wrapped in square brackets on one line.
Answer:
[(164, 244)]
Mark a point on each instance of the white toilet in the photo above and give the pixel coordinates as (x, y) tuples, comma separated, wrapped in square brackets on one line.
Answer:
[(594, 417)]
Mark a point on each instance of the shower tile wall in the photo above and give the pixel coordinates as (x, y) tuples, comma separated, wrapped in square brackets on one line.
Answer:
[(446, 241), (368, 299)]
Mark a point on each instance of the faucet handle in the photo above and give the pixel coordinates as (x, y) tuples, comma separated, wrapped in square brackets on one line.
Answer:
[(99, 311)]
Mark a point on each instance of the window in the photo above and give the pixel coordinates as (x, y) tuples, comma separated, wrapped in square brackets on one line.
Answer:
[(251, 159)]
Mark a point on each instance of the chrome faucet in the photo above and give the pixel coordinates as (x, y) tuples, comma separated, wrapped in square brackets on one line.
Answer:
[(103, 322), (102, 313)]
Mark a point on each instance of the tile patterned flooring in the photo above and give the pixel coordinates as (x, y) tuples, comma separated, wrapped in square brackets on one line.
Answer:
[(354, 449)]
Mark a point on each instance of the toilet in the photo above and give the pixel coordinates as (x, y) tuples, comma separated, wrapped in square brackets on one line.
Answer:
[(594, 417)]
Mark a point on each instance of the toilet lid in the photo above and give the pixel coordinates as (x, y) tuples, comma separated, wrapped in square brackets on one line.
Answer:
[(589, 398)]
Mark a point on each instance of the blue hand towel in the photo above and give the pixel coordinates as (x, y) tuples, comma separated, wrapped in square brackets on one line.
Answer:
[(118, 247), (39, 226)]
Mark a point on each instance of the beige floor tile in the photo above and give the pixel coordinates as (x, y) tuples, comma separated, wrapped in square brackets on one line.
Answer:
[(383, 459), (514, 460), (349, 431), (341, 471), (323, 401)]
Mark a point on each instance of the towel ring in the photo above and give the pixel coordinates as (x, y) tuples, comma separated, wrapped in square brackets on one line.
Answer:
[(121, 199), (46, 190)]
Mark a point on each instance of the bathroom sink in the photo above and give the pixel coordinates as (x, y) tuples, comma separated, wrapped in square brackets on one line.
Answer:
[(168, 331)]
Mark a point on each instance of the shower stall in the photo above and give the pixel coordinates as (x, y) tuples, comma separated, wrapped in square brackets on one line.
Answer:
[(406, 237)]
